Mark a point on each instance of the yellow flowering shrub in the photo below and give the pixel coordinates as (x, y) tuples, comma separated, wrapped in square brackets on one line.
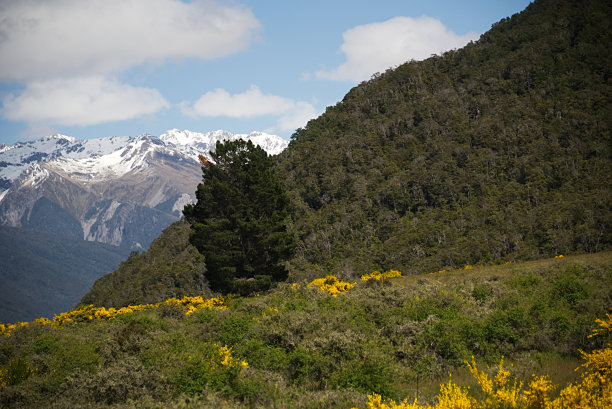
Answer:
[(451, 397), (7, 329), (375, 402), (595, 389), (223, 358), (85, 313), (378, 276), (332, 285), (498, 392), (18, 370)]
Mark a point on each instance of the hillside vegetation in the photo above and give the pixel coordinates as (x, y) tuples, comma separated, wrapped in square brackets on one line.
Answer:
[(453, 171), (298, 346), (171, 267), (498, 151)]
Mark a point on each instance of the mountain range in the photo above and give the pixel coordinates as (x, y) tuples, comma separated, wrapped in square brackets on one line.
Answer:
[(118, 191)]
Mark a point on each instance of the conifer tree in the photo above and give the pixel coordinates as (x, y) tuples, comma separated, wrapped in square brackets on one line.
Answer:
[(239, 220)]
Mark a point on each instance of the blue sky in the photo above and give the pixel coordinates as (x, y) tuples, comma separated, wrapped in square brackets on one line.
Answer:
[(93, 68)]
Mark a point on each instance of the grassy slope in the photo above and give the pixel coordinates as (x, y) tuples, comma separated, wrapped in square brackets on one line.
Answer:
[(308, 349)]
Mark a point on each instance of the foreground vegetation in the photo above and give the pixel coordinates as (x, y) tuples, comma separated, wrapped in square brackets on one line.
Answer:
[(593, 391), (302, 347)]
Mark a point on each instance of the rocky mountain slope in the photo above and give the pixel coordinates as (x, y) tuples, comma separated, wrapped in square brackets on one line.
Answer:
[(117, 190)]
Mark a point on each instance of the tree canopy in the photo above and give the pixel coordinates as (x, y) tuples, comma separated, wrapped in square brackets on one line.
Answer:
[(239, 220)]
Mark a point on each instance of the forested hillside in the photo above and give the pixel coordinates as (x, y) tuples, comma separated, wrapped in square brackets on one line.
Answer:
[(498, 151), (171, 267)]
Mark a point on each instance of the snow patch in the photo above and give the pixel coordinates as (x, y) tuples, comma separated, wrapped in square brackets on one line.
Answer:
[(34, 176)]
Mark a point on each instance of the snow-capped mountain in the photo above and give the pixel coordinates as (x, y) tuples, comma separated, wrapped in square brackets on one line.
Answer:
[(118, 190), (100, 157)]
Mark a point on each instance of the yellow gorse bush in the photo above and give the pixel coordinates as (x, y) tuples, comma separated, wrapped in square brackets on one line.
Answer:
[(451, 397), (378, 276), (223, 357), (594, 391), (332, 285), (87, 313)]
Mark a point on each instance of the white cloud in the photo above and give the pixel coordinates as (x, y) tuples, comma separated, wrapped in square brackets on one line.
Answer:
[(249, 104), (375, 47), (290, 114), (297, 117), (42, 39), (81, 101)]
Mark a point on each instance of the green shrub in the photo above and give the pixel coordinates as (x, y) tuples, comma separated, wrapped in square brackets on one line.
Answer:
[(123, 380), (235, 328), (569, 287), (18, 370), (372, 374), (504, 326), (308, 367), (482, 292), (45, 344), (261, 355)]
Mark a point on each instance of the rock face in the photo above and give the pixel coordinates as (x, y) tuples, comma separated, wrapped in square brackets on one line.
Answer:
[(121, 191)]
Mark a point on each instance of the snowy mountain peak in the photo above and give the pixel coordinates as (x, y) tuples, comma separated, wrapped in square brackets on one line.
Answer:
[(60, 137), (114, 156), (194, 143), (34, 175)]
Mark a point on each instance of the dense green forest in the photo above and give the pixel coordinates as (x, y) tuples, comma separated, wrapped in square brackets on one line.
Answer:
[(498, 151)]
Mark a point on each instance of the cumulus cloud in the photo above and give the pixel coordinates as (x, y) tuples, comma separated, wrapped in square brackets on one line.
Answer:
[(290, 114), (42, 39), (297, 117), (81, 101), (248, 104), (375, 47)]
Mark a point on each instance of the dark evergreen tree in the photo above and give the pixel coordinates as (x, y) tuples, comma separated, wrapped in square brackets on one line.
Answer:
[(239, 220)]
